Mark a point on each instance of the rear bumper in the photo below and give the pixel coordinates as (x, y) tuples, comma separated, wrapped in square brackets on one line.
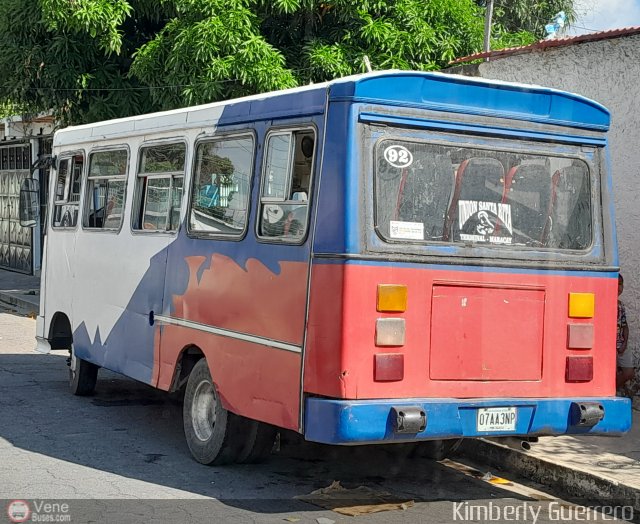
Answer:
[(374, 421)]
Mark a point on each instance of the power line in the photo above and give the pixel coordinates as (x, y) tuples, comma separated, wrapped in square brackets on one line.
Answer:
[(585, 28)]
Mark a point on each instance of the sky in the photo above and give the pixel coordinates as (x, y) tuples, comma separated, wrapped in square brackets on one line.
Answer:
[(601, 15)]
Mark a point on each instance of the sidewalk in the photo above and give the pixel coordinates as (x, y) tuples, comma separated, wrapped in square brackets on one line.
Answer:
[(20, 291), (595, 469)]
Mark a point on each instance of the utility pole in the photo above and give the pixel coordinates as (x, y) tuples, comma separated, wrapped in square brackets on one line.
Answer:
[(487, 27)]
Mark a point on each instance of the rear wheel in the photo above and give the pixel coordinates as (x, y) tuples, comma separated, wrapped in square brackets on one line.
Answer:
[(259, 439), (82, 375), (214, 435)]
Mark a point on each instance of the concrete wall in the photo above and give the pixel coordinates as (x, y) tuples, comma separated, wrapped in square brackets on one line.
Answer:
[(607, 71)]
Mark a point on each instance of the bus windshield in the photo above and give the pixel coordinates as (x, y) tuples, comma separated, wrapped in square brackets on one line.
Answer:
[(460, 194)]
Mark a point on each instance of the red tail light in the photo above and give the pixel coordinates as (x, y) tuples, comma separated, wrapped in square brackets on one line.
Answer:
[(579, 369)]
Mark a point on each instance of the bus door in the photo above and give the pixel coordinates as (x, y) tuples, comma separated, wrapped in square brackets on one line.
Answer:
[(238, 281), (59, 259), (118, 312)]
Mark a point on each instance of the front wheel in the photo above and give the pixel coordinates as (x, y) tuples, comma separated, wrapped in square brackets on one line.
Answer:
[(82, 376)]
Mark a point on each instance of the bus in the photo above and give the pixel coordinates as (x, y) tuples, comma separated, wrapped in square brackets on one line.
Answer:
[(393, 257)]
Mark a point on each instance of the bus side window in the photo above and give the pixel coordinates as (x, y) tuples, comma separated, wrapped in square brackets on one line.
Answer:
[(67, 197), (106, 184), (160, 182), (286, 184), (221, 186)]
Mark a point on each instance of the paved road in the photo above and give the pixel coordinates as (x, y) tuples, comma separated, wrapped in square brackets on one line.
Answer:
[(120, 456)]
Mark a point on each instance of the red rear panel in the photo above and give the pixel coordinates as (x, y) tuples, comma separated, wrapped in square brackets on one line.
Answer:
[(475, 329), (469, 333)]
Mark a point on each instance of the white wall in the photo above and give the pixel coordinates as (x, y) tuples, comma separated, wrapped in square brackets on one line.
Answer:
[(607, 71)]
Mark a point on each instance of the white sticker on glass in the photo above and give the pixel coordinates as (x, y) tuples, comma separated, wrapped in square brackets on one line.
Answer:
[(406, 230), (398, 156), (485, 222)]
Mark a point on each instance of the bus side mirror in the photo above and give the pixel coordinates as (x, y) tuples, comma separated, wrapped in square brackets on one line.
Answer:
[(29, 202)]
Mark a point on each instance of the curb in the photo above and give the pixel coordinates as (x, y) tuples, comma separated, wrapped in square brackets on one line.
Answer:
[(24, 305), (572, 480)]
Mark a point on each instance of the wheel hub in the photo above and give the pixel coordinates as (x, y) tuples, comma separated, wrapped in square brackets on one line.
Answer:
[(203, 410)]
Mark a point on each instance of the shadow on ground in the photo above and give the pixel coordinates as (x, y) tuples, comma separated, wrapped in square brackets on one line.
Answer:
[(134, 431)]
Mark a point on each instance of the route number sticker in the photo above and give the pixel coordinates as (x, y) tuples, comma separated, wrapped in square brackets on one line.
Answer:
[(398, 156)]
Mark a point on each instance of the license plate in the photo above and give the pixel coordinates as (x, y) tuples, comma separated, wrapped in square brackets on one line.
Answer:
[(496, 419)]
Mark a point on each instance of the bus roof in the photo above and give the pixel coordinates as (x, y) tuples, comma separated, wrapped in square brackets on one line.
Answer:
[(436, 91)]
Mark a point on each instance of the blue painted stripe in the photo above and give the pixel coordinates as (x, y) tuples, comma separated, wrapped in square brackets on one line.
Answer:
[(605, 273), (353, 189), (480, 129), (370, 421)]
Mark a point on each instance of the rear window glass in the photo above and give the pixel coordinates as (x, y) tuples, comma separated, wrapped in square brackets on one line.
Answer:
[(439, 193)]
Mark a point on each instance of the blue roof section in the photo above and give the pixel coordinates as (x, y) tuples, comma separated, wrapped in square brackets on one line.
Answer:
[(436, 91), (458, 94)]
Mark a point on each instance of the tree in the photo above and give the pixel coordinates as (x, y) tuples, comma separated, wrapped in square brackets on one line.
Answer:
[(211, 49), (94, 59), (53, 62), (324, 40)]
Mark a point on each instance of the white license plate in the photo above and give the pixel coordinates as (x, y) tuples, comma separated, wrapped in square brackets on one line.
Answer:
[(496, 419)]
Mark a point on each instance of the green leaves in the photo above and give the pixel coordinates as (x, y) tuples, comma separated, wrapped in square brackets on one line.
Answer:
[(99, 19), (87, 60), (324, 40), (214, 52)]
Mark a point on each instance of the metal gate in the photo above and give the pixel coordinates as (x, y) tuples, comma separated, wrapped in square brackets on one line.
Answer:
[(16, 248)]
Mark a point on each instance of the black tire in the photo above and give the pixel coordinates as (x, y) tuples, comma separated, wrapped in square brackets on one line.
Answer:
[(437, 449), (83, 376), (214, 435), (259, 439)]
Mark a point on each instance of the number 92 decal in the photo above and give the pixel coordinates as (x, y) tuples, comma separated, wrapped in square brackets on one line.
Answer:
[(398, 156)]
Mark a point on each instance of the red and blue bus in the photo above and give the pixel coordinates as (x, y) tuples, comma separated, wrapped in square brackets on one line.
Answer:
[(384, 258)]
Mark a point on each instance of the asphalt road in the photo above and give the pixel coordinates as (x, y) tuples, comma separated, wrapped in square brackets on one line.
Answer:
[(120, 456)]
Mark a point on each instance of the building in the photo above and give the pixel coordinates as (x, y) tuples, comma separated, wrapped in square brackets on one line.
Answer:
[(605, 67), (21, 143)]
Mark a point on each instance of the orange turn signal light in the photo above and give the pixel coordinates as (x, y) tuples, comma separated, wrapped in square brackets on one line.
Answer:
[(392, 298), (581, 305)]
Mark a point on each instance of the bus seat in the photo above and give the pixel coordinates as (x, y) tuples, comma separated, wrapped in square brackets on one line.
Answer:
[(208, 195), (571, 208), (482, 179), (527, 190), (425, 193), (478, 179)]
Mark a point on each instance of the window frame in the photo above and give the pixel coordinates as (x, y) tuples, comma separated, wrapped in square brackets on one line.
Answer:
[(505, 252), (227, 135), (67, 155), (125, 177), (291, 130), (139, 203)]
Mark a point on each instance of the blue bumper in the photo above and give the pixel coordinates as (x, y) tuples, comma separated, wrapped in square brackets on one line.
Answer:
[(374, 421)]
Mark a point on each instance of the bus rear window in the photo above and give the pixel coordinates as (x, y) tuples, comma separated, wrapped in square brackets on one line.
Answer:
[(437, 193)]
